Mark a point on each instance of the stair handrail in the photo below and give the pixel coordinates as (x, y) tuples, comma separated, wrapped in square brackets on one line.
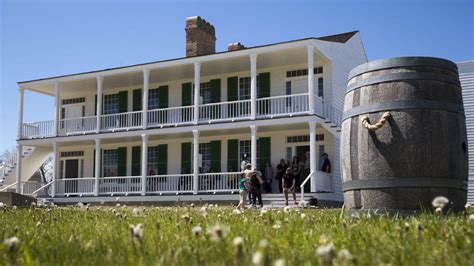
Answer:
[(304, 183), (36, 191), (9, 186)]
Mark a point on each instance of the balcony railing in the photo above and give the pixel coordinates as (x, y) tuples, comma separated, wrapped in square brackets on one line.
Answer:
[(120, 185), (75, 187), (219, 182), (269, 107), (169, 184)]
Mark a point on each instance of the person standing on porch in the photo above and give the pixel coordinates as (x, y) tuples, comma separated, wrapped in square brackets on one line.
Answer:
[(256, 182), (244, 162), (289, 185), (326, 167), (243, 191), (268, 177), (281, 170)]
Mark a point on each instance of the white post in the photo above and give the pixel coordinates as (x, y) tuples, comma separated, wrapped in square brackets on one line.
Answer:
[(144, 162), (19, 151), (312, 154), (253, 86), (253, 148), (100, 80), (20, 112), (97, 167), (195, 161), (57, 110), (197, 85), (310, 51), (55, 168), (146, 75)]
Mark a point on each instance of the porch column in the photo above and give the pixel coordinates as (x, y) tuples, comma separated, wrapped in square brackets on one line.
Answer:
[(197, 86), (195, 161), (55, 169), (312, 154), (97, 167), (21, 96), (146, 75), (253, 144), (310, 52), (100, 80), (19, 152), (253, 86), (144, 162), (57, 110)]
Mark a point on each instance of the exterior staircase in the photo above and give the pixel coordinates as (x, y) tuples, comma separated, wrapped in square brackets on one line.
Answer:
[(277, 200)]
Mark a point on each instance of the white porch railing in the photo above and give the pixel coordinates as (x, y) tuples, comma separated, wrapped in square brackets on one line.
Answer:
[(283, 105), (3, 189), (303, 184), (75, 186), (171, 116), (28, 187), (120, 185), (43, 191), (169, 184), (77, 125), (38, 129), (121, 121), (225, 111), (216, 182)]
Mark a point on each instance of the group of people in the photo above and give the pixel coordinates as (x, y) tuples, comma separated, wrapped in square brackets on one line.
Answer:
[(289, 177)]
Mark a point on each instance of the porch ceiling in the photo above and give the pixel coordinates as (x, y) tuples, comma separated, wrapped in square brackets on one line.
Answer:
[(232, 64)]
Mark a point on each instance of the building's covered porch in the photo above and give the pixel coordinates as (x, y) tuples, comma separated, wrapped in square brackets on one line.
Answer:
[(197, 162)]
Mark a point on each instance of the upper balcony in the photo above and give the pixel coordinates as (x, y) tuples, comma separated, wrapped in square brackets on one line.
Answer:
[(289, 81)]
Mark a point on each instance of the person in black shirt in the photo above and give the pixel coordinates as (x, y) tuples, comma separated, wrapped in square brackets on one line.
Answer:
[(326, 164), (256, 182), (289, 185), (281, 169)]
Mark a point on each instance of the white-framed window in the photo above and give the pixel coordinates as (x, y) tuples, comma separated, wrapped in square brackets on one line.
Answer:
[(111, 104), (321, 87), (205, 151), (110, 163), (153, 99), (152, 160), (244, 88), (205, 91), (245, 148)]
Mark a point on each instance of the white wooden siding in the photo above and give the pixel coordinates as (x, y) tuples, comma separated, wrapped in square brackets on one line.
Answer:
[(466, 75)]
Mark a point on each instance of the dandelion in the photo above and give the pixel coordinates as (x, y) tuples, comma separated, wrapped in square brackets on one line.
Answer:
[(326, 253), (257, 258), (263, 211), (263, 244), (238, 241), (136, 211), (197, 230), (302, 204), (14, 207), (236, 212), (218, 232), (279, 262), (12, 244), (102, 202), (287, 209), (192, 205), (276, 226), (439, 210), (203, 211), (303, 216), (471, 217), (440, 202), (345, 255), (467, 206), (117, 205), (2, 205), (117, 199), (136, 231), (80, 205)]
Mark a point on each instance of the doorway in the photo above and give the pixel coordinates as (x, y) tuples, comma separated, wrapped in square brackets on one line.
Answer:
[(71, 172), (302, 152), (72, 114)]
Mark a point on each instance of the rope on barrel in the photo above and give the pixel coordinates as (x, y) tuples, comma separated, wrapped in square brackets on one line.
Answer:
[(378, 125)]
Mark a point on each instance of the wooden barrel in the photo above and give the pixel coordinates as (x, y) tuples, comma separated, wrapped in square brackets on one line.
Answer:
[(420, 152)]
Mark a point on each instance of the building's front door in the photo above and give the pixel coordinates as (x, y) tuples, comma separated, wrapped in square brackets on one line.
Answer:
[(301, 152), (72, 118), (72, 171)]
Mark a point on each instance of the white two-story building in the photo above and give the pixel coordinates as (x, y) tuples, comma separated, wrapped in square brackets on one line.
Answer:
[(181, 126)]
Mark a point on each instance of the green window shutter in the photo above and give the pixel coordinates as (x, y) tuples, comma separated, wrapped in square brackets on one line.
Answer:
[(122, 161), (233, 155), (95, 106), (162, 159), (265, 152), (137, 100), (93, 165), (123, 101), (136, 161), (264, 85), (215, 90), (215, 147), (186, 157), (232, 89), (186, 97), (163, 96)]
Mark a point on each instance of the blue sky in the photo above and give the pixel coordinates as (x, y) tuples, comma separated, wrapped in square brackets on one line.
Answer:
[(50, 38)]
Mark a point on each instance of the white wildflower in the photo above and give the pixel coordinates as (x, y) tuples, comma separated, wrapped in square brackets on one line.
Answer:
[(303, 216), (2, 205), (136, 231), (263, 244), (345, 255), (440, 202), (439, 210), (279, 262), (12, 243), (287, 209), (203, 211), (471, 217), (197, 230), (302, 203), (257, 258), (136, 211), (263, 211), (14, 207), (80, 205), (102, 202), (276, 226), (238, 241), (117, 199), (236, 211), (326, 253), (117, 205), (218, 232), (467, 206)]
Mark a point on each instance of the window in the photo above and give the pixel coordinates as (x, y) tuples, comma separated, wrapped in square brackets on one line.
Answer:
[(288, 153), (304, 138), (244, 88), (205, 92), (288, 92), (73, 101), (110, 163), (320, 87), (111, 104), (318, 70), (244, 148), (153, 99), (152, 160), (205, 151), (303, 72), (72, 154)]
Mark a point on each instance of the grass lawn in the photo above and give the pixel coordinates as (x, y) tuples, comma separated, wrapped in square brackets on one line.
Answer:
[(199, 235)]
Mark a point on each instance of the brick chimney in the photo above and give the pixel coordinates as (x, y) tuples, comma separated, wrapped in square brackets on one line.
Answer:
[(200, 37), (235, 46)]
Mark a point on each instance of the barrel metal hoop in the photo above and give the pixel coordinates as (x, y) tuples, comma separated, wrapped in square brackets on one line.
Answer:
[(393, 77), (404, 182), (401, 105), (403, 62)]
